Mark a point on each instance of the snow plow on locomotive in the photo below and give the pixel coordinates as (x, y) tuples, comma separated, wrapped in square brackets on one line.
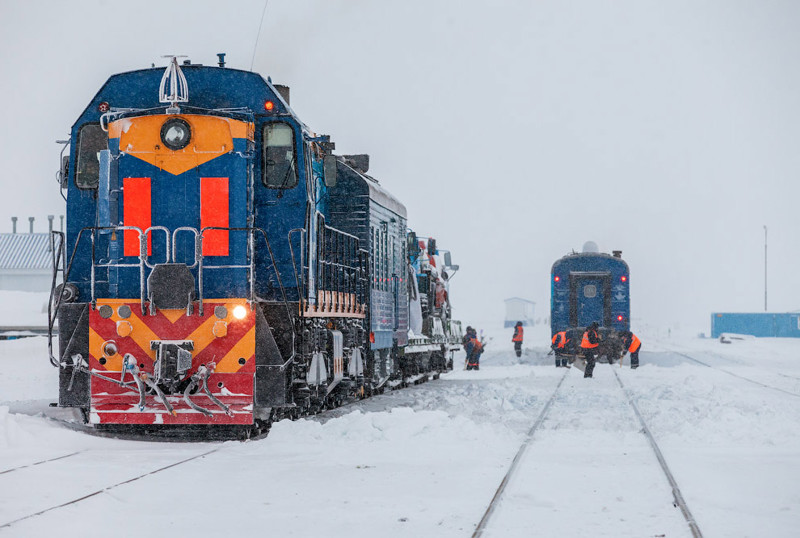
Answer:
[(591, 287), (221, 267)]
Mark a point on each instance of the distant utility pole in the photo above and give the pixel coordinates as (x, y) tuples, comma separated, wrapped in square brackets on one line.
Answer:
[(765, 268)]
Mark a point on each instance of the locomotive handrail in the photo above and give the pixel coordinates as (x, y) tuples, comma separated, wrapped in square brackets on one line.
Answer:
[(58, 256), (166, 234), (175, 243), (66, 269), (141, 265), (250, 267), (299, 279)]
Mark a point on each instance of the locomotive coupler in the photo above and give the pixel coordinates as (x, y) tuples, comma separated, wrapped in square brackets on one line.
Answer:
[(173, 361), (142, 379)]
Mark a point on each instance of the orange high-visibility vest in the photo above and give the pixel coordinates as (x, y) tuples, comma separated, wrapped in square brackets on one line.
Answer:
[(585, 343), (517, 334), (563, 342), (635, 344)]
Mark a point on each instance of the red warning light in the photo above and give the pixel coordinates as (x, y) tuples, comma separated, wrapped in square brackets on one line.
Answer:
[(557, 278), (268, 106), (623, 278), (620, 318)]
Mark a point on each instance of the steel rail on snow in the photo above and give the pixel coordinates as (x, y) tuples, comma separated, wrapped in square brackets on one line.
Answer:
[(679, 502), (108, 488), (790, 393), (528, 438)]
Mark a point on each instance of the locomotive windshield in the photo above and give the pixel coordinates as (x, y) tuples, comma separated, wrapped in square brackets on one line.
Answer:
[(279, 162), (91, 140)]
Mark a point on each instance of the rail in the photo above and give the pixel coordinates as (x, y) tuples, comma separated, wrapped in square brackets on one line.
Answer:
[(676, 492)]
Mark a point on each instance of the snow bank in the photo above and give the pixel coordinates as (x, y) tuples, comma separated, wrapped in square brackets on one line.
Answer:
[(23, 308)]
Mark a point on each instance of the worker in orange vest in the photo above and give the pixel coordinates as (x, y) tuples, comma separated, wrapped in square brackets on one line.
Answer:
[(633, 345), (517, 338), (589, 345), (559, 347)]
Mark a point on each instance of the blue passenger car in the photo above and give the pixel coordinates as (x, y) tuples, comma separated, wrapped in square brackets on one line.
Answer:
[(587, 287)]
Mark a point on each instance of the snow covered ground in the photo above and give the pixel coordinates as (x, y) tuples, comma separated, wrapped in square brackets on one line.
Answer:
[(426, 461)]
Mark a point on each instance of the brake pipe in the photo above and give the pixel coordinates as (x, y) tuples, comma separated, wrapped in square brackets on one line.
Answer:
[(189, 402), (205, 372), (144, 377), (129, 363)]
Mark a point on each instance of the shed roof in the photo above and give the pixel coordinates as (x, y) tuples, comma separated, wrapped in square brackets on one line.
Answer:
[(518, 299), (25, 251)]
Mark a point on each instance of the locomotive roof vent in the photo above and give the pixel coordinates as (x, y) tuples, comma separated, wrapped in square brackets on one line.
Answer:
[(590, 247), (359, 162), (617, 253)]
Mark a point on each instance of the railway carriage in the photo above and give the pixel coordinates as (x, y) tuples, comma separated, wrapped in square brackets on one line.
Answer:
[(587, 287), (220, 266)]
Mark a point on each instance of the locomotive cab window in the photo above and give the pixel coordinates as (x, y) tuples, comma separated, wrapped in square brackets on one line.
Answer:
[(91, 141), (279, 158)]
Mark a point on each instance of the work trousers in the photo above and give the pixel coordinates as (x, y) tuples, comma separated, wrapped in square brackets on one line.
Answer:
[(635, 358), (590, 356)]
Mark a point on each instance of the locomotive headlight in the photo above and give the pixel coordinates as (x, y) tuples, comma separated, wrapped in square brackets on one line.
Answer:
[(239, 312), (176, 133)]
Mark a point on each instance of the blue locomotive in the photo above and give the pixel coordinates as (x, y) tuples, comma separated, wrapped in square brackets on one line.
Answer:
[(221, 266), (591, 286)]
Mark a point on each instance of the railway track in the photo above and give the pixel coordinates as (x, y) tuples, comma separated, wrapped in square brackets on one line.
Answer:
[(93, 491), (518, 463), (744, 378), (5, 526), (40, 462)]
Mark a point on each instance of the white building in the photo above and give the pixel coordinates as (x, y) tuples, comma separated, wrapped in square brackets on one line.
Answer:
[(518, 309), (26, 262)]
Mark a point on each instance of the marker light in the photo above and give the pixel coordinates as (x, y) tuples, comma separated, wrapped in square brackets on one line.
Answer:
[(623, 278), (619, 318), (104, 107), (557, 278), (268, 106), (239, 312)]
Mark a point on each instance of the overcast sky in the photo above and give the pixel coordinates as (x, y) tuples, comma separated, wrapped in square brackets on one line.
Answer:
[(513, 131)]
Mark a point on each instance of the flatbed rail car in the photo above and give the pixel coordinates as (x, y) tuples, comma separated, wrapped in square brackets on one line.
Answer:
[(220, 266), (587, 287)]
